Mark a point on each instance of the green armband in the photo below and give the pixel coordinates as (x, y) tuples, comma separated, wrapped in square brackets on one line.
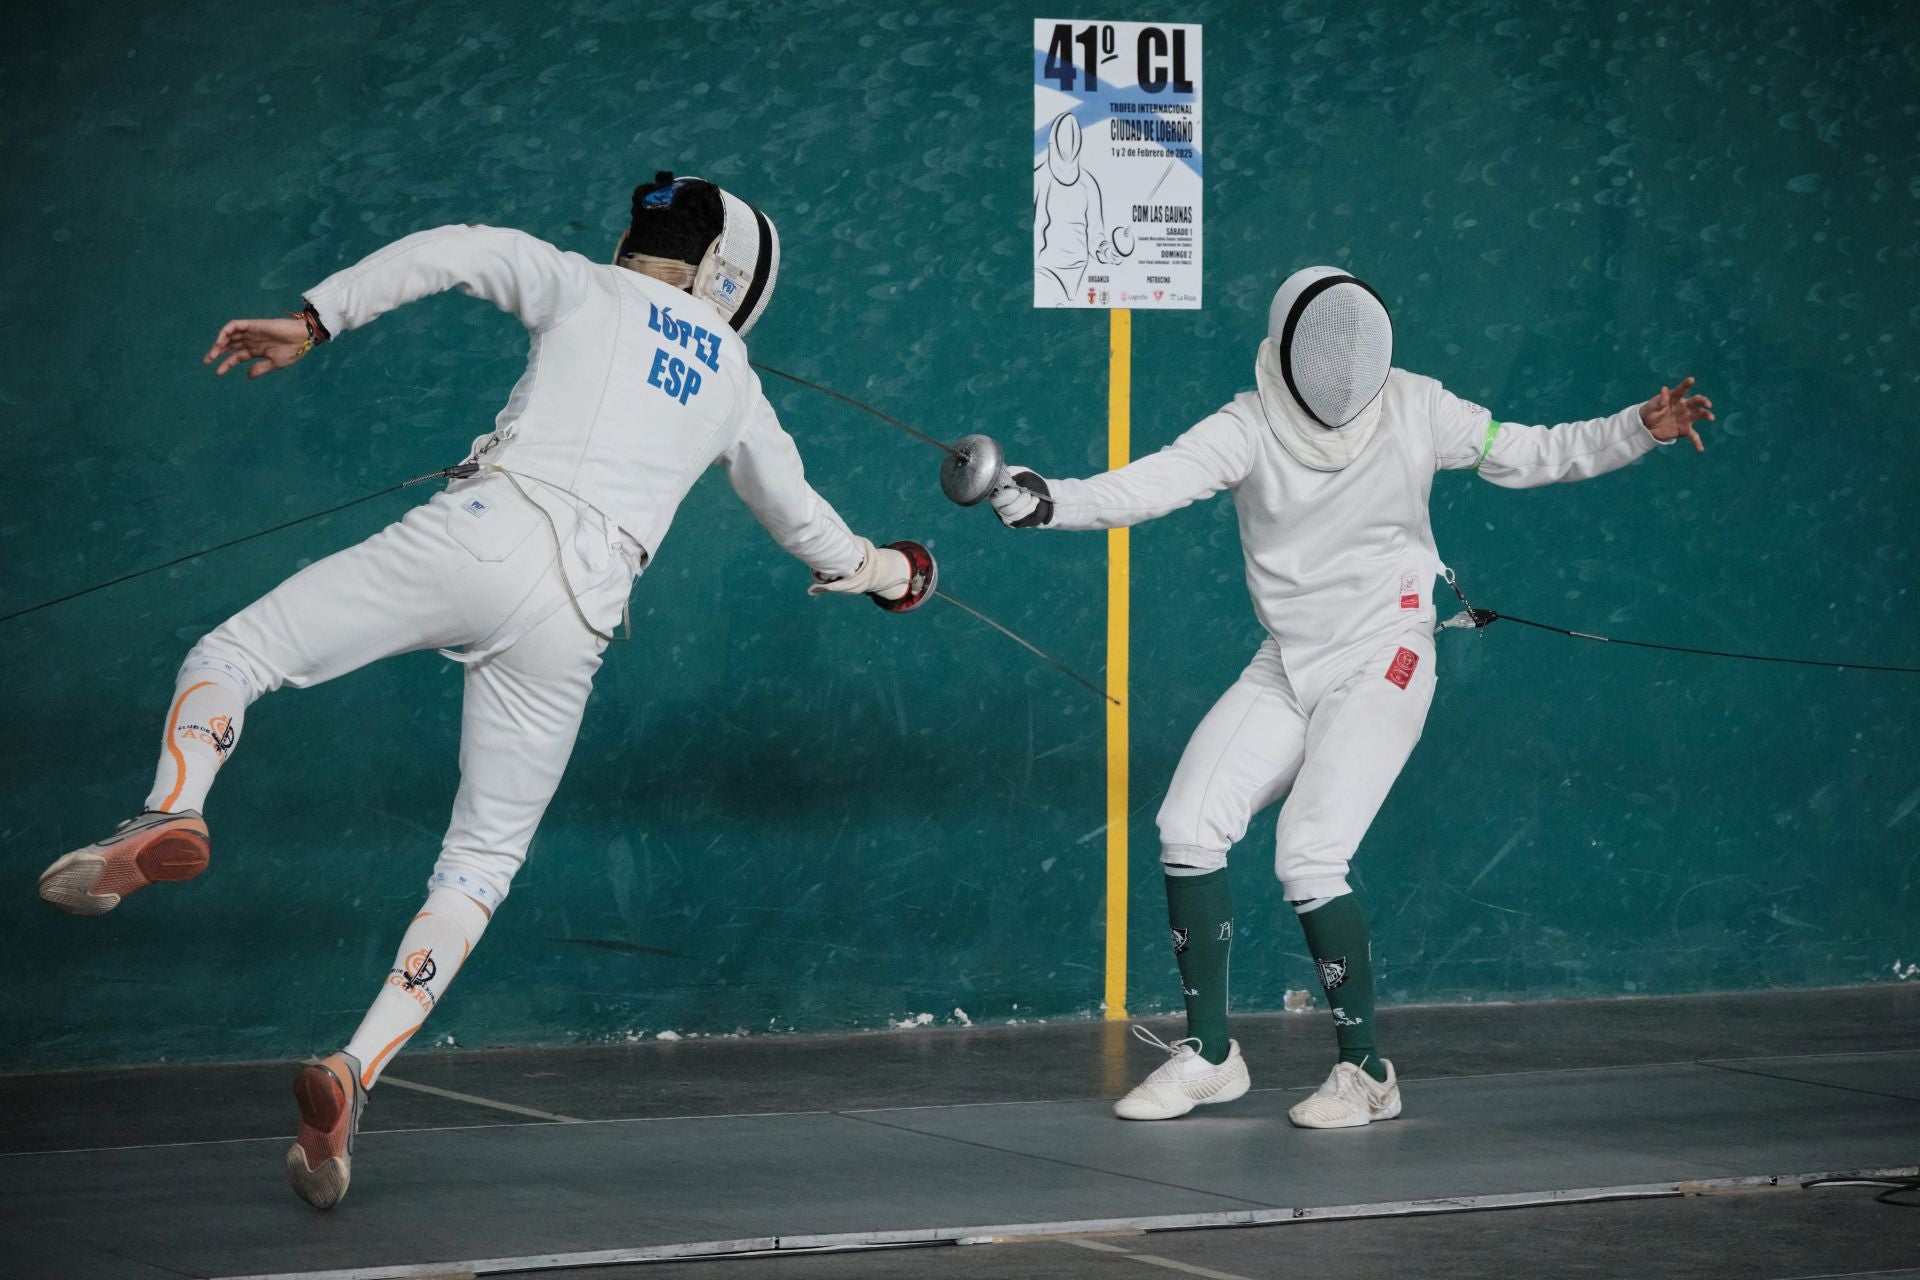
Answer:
[(1493, 429)]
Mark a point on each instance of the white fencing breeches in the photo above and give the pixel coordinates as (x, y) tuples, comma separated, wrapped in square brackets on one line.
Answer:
[(475, 566), (1335, 761)]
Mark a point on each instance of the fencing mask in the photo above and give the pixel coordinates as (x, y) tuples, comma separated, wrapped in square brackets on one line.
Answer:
[(731, 245), (1324, 364), (1063, 149)]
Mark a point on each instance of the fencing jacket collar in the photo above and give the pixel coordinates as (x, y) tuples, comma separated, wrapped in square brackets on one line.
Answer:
[(1312, 445)]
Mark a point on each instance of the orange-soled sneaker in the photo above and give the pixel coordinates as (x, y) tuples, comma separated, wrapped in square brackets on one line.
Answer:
[(320, 1161), (141, 851)]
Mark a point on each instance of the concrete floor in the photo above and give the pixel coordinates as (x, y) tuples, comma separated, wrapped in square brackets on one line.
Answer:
[(475, 1156), (1781, 1235)]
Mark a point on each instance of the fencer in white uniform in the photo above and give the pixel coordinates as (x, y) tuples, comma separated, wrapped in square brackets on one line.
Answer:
[(1330, 462), (637, 381)]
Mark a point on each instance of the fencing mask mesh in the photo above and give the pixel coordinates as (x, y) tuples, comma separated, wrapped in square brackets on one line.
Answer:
[(1335, 342), (731, 245)]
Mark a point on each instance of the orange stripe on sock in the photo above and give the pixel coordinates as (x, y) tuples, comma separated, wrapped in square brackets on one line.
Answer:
[(423, 915), (373, 1068), (179, 761)]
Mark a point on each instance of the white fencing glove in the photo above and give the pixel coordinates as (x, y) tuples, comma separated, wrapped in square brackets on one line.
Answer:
[(1026, 503), (883, 572)]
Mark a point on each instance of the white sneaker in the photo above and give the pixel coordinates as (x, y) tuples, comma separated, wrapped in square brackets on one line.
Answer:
[(1184, 1081), (1349, 1099)]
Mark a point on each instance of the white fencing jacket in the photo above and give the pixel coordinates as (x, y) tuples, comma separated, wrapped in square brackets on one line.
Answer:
[(1339, 562), (632, 389)]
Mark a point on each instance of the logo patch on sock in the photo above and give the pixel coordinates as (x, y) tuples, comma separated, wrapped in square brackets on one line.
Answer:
[(420, 969), (1179, 942), (216, 733), (414, 975), (1400, 671), (1226, 932), (1341, 1018), (1332, 973)]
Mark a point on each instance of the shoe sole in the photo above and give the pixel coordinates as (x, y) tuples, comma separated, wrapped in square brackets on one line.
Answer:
[(169, 856), (1161, 1115), (318, 1095), (1238, 1089), (1391, 1113)]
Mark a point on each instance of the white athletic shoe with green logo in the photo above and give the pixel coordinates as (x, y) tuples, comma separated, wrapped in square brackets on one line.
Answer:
[(1184, 1081), (1349, 1099)]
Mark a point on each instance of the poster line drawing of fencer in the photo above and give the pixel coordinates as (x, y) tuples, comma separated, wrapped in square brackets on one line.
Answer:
[(1069, 219)]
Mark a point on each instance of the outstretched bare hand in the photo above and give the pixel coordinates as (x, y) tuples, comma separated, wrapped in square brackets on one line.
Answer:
[(1672, 413), (270, 344)]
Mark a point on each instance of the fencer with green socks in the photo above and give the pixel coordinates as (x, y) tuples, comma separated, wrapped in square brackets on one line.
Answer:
[(1330, 461)]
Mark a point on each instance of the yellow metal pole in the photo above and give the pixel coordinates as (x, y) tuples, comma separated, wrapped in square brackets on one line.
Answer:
[(1119, 444)]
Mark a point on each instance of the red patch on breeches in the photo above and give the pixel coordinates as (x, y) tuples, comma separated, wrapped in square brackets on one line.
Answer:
[(1400, 670)]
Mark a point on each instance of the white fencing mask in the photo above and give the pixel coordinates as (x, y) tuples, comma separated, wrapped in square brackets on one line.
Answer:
[(1324, 364), (732, 246)]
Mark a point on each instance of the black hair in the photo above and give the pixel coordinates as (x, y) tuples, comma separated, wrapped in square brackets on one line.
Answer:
[(674, 218)]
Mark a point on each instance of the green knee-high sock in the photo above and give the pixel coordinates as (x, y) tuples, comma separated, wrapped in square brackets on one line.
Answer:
[(1336, 931), (1200, 910)]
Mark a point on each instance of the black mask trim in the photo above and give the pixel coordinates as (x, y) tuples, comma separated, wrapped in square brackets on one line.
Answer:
[(1307, 295), (762, 262)]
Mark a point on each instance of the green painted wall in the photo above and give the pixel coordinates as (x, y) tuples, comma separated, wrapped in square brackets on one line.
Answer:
[(786, 812)]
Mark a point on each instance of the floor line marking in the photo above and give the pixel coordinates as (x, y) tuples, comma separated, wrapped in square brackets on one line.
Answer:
[(1098, 1246), (475, 1100), (1869, 990), (1409, 1079), (1154, 1260), (860, 1112), (842, 1241), (1824, 1053), (232, 1142), (442, 1128), (1816, 1084), (288, 1137), (1065, 1164)]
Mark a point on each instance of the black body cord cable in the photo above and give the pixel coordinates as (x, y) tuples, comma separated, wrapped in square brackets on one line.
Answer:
[(1478, 619), (447, 473)]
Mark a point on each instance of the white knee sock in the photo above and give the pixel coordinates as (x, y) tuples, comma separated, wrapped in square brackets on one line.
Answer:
[(431, 952), (209, 703)]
